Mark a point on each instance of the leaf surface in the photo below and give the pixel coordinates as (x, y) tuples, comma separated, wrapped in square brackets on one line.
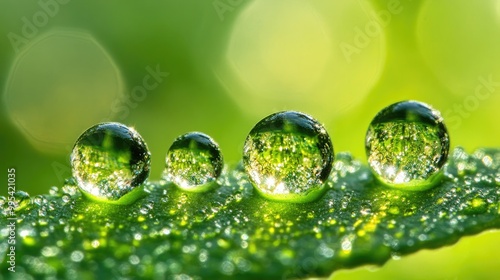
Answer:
[(231, 231)]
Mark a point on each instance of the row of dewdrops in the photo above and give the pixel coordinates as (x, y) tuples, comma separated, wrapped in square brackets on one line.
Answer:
[(287, 156)]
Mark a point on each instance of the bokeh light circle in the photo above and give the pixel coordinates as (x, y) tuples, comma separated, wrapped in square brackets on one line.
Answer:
[(63, 82), (303, 56)]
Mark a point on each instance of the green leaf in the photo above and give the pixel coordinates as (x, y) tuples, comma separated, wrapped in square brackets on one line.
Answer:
[(231, 231)]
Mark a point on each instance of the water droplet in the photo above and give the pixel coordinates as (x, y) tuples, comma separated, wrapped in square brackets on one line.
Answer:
[(410, 211), (50, 251), (110, 160), (66, 198), (70, 190), (396, 256), (134, 259), (227, 267), (22, 200), (407, 144), (365, 209), (3, 201), (288, 156), (193, 162), (476, 206), (53, 191), (394, 210), (77, 256)]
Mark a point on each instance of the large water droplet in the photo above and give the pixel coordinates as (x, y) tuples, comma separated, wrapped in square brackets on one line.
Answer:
[(407, 144), (110, 160), (288, 156), (193, 162)]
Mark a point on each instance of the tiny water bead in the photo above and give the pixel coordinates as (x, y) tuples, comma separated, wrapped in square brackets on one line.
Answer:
[(109, 161), (193, 162), (288, 156), (407, 144)]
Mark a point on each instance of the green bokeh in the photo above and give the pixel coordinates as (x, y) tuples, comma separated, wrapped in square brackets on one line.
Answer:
[(444, 53)]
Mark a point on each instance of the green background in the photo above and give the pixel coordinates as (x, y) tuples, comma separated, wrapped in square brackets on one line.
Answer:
[(232, 62)]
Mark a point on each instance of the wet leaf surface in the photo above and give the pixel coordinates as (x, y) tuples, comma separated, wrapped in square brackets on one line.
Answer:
[(231, 231)]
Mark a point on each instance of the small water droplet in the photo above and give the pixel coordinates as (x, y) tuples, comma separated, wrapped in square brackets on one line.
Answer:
[(422, 237), (346, 243), (394, 210), (110, 160), (39, 200), (144, 210), (365, 210), (476, 206), (53, 191), (134, 259), (395, 256), (227, 268), (193, 162), (70, 190), (410, 211), (407, 144), (70, 181), (3, 201), (77, 256), (50, 251), (22, 200), (288, 156), (66, 198)]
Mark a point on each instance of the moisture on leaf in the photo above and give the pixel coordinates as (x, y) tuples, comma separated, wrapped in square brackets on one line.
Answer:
[(233, 232)]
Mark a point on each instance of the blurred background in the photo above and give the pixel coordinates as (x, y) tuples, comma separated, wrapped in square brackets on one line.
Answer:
[(219, 66)]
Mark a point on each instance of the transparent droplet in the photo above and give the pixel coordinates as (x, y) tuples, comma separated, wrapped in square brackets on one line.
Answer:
[(288, 156), (193, 162), (110, 160), (407, 144), (22, 200)]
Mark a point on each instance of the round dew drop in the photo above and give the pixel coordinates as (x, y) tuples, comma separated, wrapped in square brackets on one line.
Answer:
[(193, 162), (109, 161), (288, 156), (407, 144), (22, 200)]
